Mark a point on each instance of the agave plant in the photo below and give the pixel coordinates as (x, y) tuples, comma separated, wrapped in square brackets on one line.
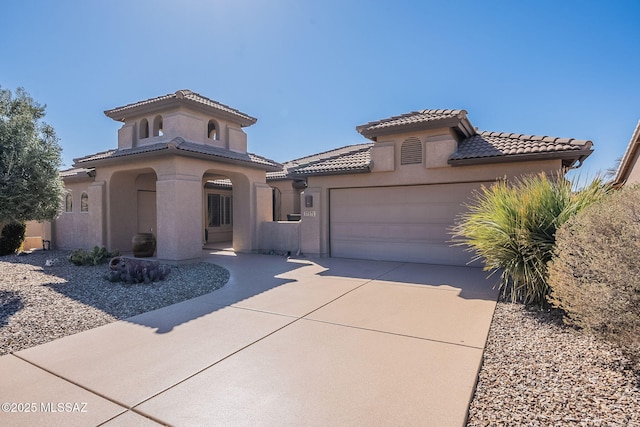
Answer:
[(511, 227)]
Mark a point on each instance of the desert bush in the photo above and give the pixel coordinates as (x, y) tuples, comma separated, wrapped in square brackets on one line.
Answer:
[(94, 257), (132, 271), (595, 274), (12, 237), (511, 227)]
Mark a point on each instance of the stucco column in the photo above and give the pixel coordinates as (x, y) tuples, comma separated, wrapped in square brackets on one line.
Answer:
[(310, 228), (97, 214), (264, 210), (179, 217)]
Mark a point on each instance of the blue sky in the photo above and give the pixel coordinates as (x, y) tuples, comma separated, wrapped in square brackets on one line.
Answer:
[(311, 71)]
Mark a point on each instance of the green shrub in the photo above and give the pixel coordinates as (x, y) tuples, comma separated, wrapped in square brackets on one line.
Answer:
[(595, 274), (132, 271), (12, 237), (511, 228), (94, 257)]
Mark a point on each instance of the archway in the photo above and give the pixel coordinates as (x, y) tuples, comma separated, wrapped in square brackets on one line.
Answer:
[(132, 206)]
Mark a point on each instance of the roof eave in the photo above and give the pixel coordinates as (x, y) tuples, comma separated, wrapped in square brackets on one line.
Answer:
[(121, 114), (626, 162), (365, 169), (460, 124), (82, 176), (173, 150), (569, 158), (280, 178), (222, 159)]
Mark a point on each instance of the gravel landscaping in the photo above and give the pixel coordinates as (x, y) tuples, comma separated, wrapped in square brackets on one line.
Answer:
[(43, 296), (538, 372)]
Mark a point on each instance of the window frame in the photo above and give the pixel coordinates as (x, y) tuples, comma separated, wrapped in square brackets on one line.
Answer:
[(144, 129), (219, 210), (158, 123), (68, 202), (216, 130), (84, 202)]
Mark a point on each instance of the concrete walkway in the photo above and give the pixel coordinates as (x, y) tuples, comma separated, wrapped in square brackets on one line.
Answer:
[(285, 342)]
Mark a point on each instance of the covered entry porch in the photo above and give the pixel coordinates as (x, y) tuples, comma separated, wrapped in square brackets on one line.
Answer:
[(186, 201)]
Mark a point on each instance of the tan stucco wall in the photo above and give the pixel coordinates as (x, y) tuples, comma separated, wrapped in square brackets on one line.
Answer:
[(187, 124), (634, 173), (315, 221), (180, 203), (35, 233), (280, 236), (288, 197), (71, 229)]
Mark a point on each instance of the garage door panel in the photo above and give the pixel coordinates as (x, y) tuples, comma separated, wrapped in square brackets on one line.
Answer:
[(410, 224), (418, 194), (414, 251), (412, 213), (438, 232)]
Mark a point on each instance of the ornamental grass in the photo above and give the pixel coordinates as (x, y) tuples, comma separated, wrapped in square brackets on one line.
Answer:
[(511, 228)]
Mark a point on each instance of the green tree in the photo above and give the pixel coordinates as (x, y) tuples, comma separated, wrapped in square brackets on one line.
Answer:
[(30, 183)]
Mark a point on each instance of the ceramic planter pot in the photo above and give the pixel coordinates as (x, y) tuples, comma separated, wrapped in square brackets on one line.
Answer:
[(143, 245)]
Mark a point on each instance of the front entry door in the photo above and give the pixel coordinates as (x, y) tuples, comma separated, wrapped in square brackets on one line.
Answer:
[(147, 212)]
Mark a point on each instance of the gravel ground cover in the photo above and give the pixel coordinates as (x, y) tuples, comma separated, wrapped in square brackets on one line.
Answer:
[(538, 372), (43, 296)]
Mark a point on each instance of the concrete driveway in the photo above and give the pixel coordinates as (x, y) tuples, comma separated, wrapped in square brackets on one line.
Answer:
[(285, 342)]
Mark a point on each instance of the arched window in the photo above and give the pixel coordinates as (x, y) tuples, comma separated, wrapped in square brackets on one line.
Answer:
[(84, 202), (157, 126), (212, 130), (144, 129), (411, 151), (68, 203)]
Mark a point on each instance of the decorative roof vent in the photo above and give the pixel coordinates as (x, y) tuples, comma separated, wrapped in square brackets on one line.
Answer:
[(411, 151)]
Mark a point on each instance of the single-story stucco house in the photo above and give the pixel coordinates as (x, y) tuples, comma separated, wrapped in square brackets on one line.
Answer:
[(182, 171), (628, 171)]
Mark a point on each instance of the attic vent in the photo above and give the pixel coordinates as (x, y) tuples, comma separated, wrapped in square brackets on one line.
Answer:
[(411, 151)]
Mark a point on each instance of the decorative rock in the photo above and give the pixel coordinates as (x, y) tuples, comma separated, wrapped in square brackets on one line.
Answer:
[(38, 305)]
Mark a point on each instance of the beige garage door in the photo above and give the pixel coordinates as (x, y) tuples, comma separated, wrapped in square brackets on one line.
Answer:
[(409, 223)]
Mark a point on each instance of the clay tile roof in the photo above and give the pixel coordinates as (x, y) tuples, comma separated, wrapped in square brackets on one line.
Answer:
[(227, 154), (219, 183), (97, 156), (486, 145), (75, 173), (184, 95), (349, 159), (179, 144), (411, 120)]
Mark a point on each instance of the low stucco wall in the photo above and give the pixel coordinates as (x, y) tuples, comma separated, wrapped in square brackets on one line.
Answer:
[(35, 233), (71, 229), (280, 236)]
